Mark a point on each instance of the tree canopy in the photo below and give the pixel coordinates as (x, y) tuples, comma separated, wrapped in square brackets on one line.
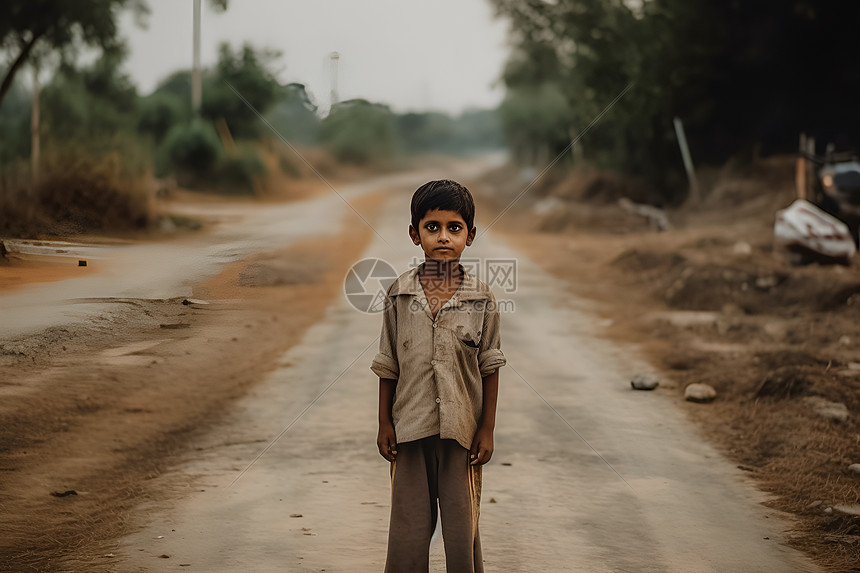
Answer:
[(359, 131), (60, 26), (741, 75), (251, 73)]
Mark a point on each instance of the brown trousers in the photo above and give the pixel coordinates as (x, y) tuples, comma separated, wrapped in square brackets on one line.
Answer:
[(427, 472)]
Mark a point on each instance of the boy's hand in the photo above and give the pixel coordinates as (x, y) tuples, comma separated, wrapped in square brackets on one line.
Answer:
[(386, 441), (482, 447)]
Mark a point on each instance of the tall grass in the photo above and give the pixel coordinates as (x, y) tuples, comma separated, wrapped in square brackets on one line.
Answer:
[(82, 188)]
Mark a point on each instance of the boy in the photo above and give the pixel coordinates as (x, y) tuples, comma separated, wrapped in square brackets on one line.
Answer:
[(438, 361)]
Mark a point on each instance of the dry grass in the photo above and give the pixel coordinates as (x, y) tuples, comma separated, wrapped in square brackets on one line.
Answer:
[(778, 334), (77, 194)]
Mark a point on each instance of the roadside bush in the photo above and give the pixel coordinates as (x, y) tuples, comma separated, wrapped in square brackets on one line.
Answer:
[(86, 186), (189, 151), (82, 194), (289, 167), (159, 112), (357, 131), (237, 172)]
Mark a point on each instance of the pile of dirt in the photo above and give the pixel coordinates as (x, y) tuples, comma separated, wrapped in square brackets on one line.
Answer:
[(556, 216), (737, 187), (641, 262), (603, 188), (755, 284), (558, 202)]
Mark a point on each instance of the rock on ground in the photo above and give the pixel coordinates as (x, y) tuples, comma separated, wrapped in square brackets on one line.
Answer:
[(644, 382), (700, 393), (836, 411)]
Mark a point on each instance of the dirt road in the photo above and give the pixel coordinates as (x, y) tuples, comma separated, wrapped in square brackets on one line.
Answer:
[(169, 270), (290, 480)]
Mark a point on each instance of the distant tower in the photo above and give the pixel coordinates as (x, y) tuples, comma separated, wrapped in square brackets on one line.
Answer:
[(196, 82), (334, 58)]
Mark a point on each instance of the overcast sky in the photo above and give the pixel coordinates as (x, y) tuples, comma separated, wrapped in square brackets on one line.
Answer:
[(414, 55)]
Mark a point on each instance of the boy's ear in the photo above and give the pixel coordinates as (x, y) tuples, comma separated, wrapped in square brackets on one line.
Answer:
[(471, 236), (413, 234)]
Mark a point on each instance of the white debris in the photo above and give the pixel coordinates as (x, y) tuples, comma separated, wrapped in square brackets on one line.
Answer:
[(656, 217), (803, 227)]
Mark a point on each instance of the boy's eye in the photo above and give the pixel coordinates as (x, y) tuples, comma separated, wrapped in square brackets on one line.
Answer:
[(433, 227)]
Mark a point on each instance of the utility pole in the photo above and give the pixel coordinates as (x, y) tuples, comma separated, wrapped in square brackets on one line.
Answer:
[(334, 58), (196, 82), (34, 128), (688, 161)]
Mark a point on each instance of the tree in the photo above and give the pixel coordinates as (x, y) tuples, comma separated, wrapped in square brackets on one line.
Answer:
[(423, 132), (477, 130), (58, 24), (15, 124), (359, 131), (62, 24), (537, 121), (294, 115), (742, 75), (93, 101), (250, 72)]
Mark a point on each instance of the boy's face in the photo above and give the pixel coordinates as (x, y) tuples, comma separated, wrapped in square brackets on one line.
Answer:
[(442, 235)]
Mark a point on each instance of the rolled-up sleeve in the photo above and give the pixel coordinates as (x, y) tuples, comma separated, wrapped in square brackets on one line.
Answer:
[(385, 363), (490, 356)]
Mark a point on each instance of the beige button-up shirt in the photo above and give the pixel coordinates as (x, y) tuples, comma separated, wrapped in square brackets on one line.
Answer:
[(438, 363)]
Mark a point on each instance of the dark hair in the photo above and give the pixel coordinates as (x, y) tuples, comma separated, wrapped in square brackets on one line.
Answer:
[(446, 195)]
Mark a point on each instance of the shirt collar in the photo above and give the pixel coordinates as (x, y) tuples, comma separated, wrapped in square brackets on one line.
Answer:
[(470, 289)]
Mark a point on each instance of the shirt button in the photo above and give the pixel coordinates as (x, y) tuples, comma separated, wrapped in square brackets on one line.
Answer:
[(438, 400), (433, 362), (434, 325)]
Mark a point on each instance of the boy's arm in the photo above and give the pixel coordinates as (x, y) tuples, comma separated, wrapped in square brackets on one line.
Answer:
[(386, 440), (482, 445), (386, 366), (490, 359), (490, 355)]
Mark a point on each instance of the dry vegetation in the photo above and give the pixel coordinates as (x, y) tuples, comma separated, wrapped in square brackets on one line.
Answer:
[(79, 194), (711, 302)]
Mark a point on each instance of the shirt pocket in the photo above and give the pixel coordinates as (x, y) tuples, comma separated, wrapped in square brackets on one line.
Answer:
[(466, 350), (467, 330)]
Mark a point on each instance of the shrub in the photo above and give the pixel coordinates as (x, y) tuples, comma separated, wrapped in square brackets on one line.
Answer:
[(159, 112), (237, 172), (81, 194), (190, 151), (289, 167), (357, 131)]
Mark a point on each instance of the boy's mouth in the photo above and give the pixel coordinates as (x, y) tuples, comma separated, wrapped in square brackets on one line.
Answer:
[(444, 249)]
